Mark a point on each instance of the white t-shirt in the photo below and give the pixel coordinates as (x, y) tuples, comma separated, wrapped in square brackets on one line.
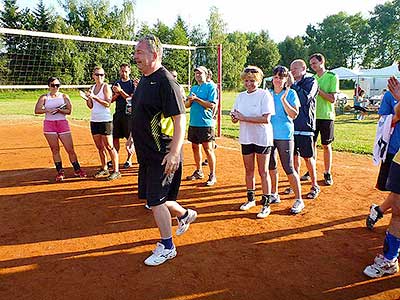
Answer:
[(255, 104)]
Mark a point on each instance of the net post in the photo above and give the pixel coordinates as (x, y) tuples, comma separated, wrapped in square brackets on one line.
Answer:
[(219, 87)]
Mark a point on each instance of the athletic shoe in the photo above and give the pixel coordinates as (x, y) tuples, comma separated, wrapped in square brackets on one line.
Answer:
[(305, 177), (127, 164), (60, 176), (114, 175), (80, 173), (247, 205), (109, 164), (275, 199), (197, 174), (212, 179), (183, 224), (101, 173), (265, 211), (328, 179), (205, 163), (314, 192), (381, 266), (297, 207), (146, 206), (375, 214), (160, 255)]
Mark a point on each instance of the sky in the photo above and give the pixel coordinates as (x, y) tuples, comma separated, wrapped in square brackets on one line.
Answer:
[(280, 19)]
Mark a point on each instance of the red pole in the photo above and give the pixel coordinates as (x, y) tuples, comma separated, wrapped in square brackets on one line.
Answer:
[(219, 87)]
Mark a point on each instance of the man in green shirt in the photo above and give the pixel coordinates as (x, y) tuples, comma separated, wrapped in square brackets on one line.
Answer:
[(325, 113)]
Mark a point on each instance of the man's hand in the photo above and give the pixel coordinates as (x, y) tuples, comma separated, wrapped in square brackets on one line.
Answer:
[(171, 162), (237, 116), (394, 87), (129, 145), (117, 88)]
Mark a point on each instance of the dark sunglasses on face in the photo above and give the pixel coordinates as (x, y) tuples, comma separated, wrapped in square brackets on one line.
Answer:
[(250, 70), (57, 85), (98, 74)]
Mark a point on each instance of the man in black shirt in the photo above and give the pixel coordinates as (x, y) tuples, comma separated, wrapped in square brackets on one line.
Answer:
[(123, 90), (158, 131)]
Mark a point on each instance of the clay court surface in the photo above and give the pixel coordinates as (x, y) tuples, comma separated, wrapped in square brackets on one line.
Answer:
[(87, 239)]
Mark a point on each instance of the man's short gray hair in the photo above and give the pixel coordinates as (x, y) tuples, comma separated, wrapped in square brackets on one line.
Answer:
[(153, 43)]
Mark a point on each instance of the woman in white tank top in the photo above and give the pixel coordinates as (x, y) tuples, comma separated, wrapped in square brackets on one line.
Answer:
[(56, 106), (99, 101)]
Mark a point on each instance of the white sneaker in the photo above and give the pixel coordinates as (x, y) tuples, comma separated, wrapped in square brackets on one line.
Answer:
[(265, 211), (183, 225), (247, 205), (275, 199), (297, 207), (381, 266), (160, 255)]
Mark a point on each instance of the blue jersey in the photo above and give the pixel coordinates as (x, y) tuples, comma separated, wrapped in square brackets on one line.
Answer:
[(387, 108), (282, 124), (199, 115)]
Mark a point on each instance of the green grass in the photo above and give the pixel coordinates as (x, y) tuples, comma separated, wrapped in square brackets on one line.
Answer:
[(23, 103), (350, 135)]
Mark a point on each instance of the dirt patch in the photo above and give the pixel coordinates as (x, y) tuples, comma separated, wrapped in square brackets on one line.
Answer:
[(87, 239)]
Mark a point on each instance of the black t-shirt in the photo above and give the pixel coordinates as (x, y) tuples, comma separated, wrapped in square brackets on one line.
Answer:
[(120, 104), (157, 97)]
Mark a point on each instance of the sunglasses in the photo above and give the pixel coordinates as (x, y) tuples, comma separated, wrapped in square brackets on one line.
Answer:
[(99, 75), (57, 85), (251, 70)]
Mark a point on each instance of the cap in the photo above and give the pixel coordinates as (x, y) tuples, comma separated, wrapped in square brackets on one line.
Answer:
[(202, 69)]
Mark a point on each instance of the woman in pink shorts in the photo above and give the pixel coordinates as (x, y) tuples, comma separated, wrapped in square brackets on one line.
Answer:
[(56, 105)]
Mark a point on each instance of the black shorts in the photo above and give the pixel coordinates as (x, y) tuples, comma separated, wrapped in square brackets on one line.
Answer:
[(199, 135), (326, 128), (393, 180), (103, 128), (285, 149), (121, 126), (253, 148), (157, 187), (384, 172), (304, 145)]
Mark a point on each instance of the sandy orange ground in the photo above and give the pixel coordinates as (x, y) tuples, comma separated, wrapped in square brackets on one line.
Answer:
[(87, 239)]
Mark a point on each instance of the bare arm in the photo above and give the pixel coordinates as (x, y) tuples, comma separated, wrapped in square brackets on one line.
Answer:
[(39, 107), (327, 96), (118, 91), (291, 111), (397, 110), (188, 102), (68, 109), (206, 104), (394, 88), (259, 119)]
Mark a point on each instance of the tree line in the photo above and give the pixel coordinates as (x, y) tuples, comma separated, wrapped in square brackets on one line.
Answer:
[(345, 40)]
